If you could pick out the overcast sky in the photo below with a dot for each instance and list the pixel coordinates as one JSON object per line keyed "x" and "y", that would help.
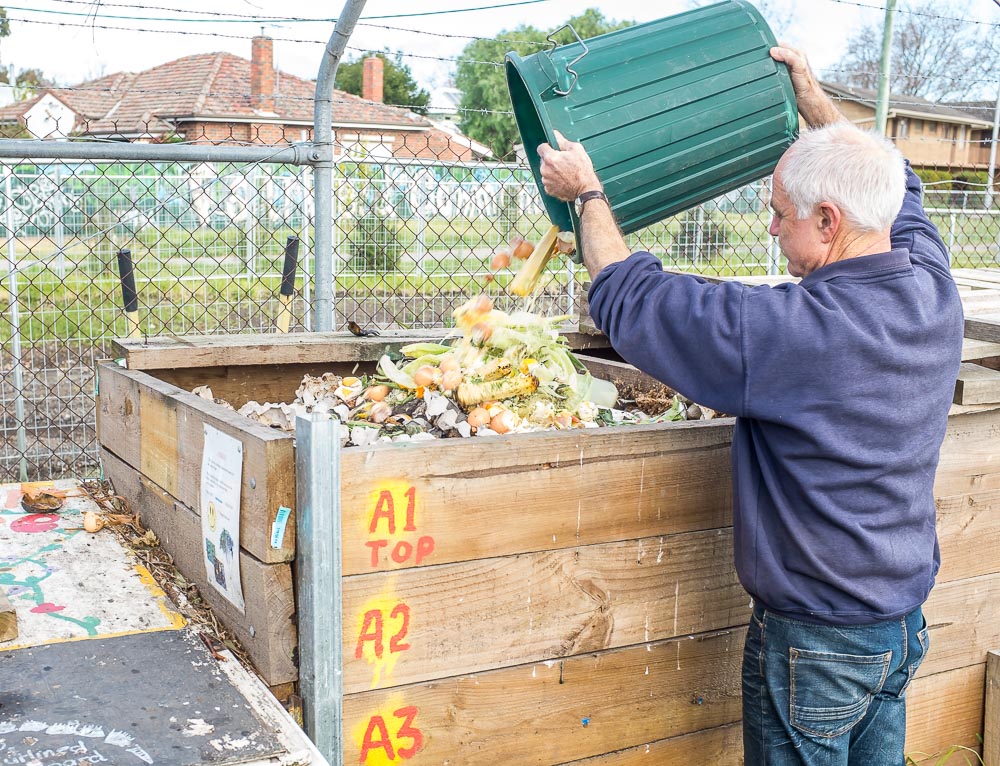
{"x": 69, "y": 40}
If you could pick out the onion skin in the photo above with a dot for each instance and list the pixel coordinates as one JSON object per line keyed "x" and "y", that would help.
{"x": 478, "y": 417}
{"x": 500, "y": 261}
{"x": 448, "y": 363}
{"x": 379, "y": 412}
{"x": 503, "y": 422}
{"x": 377, "y": 393}
{"x": 482, "y": 304}
{"x": 452, "y": 379}
{"x": 521, "y": 248}
{"x": 481, "y": 333}
{"x": 92, "y": 522}
{"x": 426, "y": 376}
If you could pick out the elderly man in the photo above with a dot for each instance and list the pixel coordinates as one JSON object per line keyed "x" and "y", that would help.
{"x": 841, "y": 386}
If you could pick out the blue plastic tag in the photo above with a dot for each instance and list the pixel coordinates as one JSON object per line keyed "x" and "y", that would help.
{"x": 278, "y": 526}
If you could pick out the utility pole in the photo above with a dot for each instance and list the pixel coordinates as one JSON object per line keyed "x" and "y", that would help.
{"x": 991, "y": 174}
{"x": 882, "y": 105}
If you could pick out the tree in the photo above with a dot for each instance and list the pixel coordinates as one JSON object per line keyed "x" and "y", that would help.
{"x": 398, "y": 86}
{"x": 938, "y": 53}
{"x": 487, "y": 118}
{"x": 27, "y": 83}
{"x": 4, "y": 25}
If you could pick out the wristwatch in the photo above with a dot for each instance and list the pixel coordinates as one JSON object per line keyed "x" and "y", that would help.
{"x": 586, "y": 197}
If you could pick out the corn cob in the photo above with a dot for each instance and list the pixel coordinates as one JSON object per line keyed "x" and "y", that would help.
{"x": 471, "y": 394}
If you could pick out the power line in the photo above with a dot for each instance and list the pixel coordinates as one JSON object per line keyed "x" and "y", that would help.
{"x": 239, "y": 18}
{"x": 259, "y": 19}
{"x": 919, "y": 13}
{"x": 243, "y": 37}
{"x": 948, "y": 77}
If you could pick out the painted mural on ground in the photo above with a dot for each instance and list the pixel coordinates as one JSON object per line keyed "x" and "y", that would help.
{"x": 67, "y": 584}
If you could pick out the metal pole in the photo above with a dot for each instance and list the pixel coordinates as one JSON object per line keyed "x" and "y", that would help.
{"x": 318, "y": 580}
{"x": 60, "y": 229}
{"x": 13, "y": 289}
{"x": 882, "y": 105}
{"x": 308, "y": 262}
{"x": 991, "y": 174}
{"x": 297, "y": 154}
{"x": 323, "y": 161}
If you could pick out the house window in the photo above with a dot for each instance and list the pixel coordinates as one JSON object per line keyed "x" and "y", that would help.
{"x": 903, "y": 128}
{"x": 918, "y": 126}
{"x": 932, "y": 128}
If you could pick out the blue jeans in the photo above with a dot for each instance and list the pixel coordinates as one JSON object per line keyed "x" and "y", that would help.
{"x": 818, "y": 695}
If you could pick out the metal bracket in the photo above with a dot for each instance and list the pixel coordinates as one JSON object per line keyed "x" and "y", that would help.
{"x": 571, "y": 64}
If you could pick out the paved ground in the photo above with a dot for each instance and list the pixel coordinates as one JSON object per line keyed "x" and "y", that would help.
{"x": 105, "y": 671}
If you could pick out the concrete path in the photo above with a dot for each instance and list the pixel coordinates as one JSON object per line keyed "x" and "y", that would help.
{"x": 105, "y": 671}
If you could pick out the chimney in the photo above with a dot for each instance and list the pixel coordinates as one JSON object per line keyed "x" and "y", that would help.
{"x": 371, "y": 79}
{"x": 262, "y": 74}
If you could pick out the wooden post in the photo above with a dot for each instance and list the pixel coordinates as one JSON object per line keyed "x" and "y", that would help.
{"x": 8, "y": 619}
{"x": 991, "y": 723}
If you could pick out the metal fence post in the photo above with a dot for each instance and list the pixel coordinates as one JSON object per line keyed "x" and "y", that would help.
{"x": 13, "y": 293}
{"x": 323, "y": 161}
{"x": 318, "y": 581}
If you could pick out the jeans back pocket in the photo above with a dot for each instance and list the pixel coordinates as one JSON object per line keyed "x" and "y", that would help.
{"x": 916, "y": 658}
{"x": 831, "y": 692}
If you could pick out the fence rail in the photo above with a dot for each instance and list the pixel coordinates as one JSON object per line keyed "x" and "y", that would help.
{"x": 410, "y": 239}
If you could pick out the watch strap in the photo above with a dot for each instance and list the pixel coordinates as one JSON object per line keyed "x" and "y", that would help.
{"x": 589, "y": 195}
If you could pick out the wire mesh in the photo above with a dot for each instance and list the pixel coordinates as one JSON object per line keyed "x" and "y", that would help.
{"x": 415, "y": 224}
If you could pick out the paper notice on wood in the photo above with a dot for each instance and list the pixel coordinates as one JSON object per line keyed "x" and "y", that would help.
{"x": 221, "y": 478}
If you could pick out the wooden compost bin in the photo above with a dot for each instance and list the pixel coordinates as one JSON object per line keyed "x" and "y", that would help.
{"x": 545, "y": 599}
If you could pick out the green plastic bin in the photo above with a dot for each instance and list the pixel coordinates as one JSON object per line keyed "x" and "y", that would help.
{"x": 673, "y": 112}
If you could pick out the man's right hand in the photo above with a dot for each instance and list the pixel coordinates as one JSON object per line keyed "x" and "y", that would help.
{"x": 814, "y": 105}
{"x": 567, "y": 172}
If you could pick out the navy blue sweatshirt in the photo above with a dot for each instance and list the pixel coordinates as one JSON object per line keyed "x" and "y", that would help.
{"x": 841, "y": 385}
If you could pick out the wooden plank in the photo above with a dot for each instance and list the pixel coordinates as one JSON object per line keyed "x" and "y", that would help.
{"x": 987, "y": 275}
{"x": 163, "y": 437}
{"x": 168, "y": 352}
{"x": 980, "y": 283}
{"x": 969, "y": 460}
{"x": 983, "y": 328}
{"x": 991, "y": 723}
{"x": 964, "y": 621}
{"x": 540, "y": 606}
{"x": 943, "y": 710}
{"x": 978, "y": 349}
{"x": 718, "y": 746}
{"x": 261, "y": 383}
{"x": 981, "y": 303}
{"x": 969, "y": 535}
{"x": 267, "y": 629}
{"x": 977, "y": 385}
{"x": 572, "y": 488}
{"x": 158, "y": 455}
{"x": 556, "y": 711}
{"x": 8, "y": 619}
{"x": 118, "y": 412}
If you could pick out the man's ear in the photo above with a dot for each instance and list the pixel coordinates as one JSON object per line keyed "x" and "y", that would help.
{"x": 830, "y": 219}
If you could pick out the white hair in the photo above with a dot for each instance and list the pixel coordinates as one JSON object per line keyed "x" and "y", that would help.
{"x": 859, "y": 171}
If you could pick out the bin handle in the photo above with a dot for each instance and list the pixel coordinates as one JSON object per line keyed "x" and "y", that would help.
{"x": 569, "y": 66}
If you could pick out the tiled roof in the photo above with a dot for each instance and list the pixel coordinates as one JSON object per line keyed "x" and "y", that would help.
{"x": 207, "y": 85}
{"x": 901, "y": 103}
{"x": 984, "y": 110}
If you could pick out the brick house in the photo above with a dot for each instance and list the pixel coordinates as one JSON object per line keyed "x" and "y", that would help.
{"x": 930, "y": 135}
{"x": 221, "y": 98}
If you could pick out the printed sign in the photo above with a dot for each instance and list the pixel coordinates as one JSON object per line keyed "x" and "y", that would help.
{"x": 221, "y": 477}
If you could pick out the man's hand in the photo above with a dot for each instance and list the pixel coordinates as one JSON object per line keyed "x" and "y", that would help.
{"x": 567, "y": 172}
{"x": 814, "y": 105}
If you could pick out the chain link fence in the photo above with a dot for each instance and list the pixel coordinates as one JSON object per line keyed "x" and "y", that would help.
{"x": 412, "y": 238}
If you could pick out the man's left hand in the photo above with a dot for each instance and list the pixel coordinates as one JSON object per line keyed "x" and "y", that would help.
{"x": 567, "y": 172}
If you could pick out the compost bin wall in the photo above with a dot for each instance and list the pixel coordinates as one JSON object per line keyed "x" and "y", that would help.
{"x": 544, "y": 599}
